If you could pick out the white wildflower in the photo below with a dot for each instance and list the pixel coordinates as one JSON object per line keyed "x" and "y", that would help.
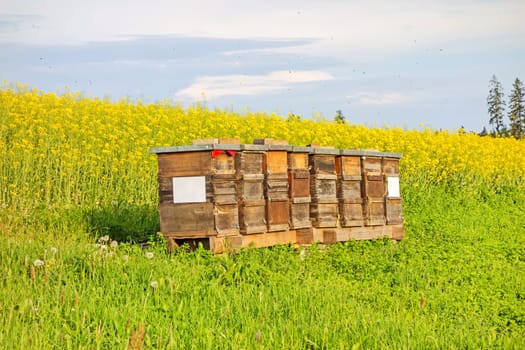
{"x": 103, "y": 239}
{"x": 303, "y": 254}
{"x": 38, "y": 263}
{"x": 114, "y": 244}
{"x": 154, "y": 284}
{"x": 149, "y": 255}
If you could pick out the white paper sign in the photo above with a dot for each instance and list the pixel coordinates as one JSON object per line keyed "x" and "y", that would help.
{"x": 189, "y": 189}
{"x": 393, "y": 187}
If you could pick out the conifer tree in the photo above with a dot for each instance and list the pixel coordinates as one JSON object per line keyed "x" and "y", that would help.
{"x": 517, "y": 110}
{"x": 339, "y": 117}
{"x": 496, "y": 105}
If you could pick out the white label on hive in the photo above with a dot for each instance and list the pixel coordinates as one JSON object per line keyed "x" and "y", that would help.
{"x": 189, "y": 189}
{"x": 393, "y": 187}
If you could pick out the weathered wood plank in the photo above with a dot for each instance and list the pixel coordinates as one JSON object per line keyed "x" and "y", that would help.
{"x": 375, "y": 212}
{"x": 252, "y": 216}
{"x": 298, "y": 161}
{"x": 322, "y": 163}
{"x": 352, "y": 214}
{"x": 372, "y": 165}
{"x": 259, "y": 240}
{"x": 323, "y": 186}
{"x": 249, "y": 162}
{"x": 304, "y": 236}
{"x": 276, "y": 186}
{"x": 185, "y": 218}
{"x": 184, "y": 164}
{"x": 277, "y": 215}
{"x": 375, "y": 187}
{"x": 300, "y": 215}
{"x": 249, "y": 190}
{"x": 299, "y": 183}
{"x": 348, "y": 166}
{"x": 226, "y": 219}
{"x": 394, "y": 211}
{"x": 332, "y": 235}
{"x": 276, "y": 162}
{"x": 391, "y": 166}
{"x": 347, "y": 189}
{"x": 270, "y": 141}
{"x": 324, "y": 214}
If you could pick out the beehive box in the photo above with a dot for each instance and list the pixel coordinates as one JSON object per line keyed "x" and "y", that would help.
{"x": 299, "y": 187}
{"x": 250, "y": 185}
{"x": 324, "y": 211}
{"x": 197, "y": 192}
{"x": 232, "y": 195}
{"x": 350, "y": 188}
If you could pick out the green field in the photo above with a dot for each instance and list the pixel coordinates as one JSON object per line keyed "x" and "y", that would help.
{"x": 456, "y": 281}
{"x": 75, "y": 170}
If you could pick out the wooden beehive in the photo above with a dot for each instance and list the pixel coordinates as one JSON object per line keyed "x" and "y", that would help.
{"x": 276, "y": 186}
{"x": 197, "y": 190}
{"x": 230, "y": 196}
{"x": 250, "y": 182}
{"x": 299, "y": 187}
{"x": 324, "y": 211}
{"x": 350, "y": 188}
{"x": 374, "y": 189}
{"x": 393, "y": 205}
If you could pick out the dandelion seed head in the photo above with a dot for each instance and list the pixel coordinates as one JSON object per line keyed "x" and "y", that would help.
{"x": 114, "y": 244}
{"x": 54, "y": 250}
{"x": 103, "y": 239}
{"x": 154, "y": 284}
{"x": 38, "y": 263}
{"x": 149, "y": 255}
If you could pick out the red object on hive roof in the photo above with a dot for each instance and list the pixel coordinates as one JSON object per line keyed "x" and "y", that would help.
{"x": 216, "y": 152}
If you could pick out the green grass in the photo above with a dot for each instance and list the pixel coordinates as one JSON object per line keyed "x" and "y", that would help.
{"x": 456, "y": 281}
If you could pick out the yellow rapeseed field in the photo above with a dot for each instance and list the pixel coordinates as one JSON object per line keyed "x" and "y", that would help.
{"x": 71, "y": 149}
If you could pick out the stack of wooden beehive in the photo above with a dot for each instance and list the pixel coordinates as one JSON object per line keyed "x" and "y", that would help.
{"x": 250, "y": 187}
{"x": 276, "y": 183}
{"x": 350, "y": 189}
{"x": 229, "y": 195}
{"x": 324, "y": 207}
{"x": 299, "y": 188}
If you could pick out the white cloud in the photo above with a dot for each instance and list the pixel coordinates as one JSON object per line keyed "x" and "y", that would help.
{"x": 227, "y": 85}
{"x": 342, "y": 27}
{"x": 379, "y": 98}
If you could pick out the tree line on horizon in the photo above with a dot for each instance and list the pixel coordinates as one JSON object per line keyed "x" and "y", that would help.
{"x": 496, "y": 110}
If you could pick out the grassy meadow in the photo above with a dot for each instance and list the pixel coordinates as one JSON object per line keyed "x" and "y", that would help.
{"x": 78, "y": 193}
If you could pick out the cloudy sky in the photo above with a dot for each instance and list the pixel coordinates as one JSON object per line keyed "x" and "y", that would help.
{"x": 400, "y": 63}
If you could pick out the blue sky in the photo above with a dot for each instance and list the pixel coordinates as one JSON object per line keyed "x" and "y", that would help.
{"x": 397, "y": 63}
